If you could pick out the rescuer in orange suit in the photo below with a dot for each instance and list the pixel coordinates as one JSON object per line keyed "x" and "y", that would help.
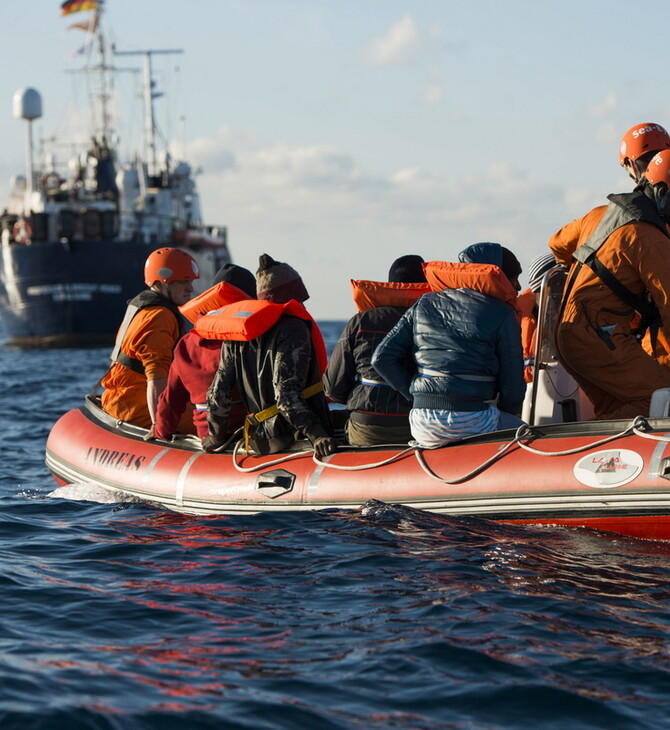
{"x": 637, "y": 147}
{"x": 623, "y": 267}
{"x": 146, "y": 339}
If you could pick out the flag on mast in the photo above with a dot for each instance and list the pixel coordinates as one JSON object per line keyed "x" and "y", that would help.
{"x": 75, "y": 6}
{"x": 90, "y": 26}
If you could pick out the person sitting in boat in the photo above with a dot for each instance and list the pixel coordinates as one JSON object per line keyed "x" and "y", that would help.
{"x": 273, "y": 350}
{"x": 378, "y": 414}
{"x": 621, "y": 269}
{"x": 464, "y": 344}
{"x": 196, "y": 358}
{"x": 146, "y": 339}
{"x": 528, "y": 302}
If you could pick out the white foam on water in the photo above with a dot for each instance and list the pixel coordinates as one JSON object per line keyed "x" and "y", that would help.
{"x": 83, "y": 492}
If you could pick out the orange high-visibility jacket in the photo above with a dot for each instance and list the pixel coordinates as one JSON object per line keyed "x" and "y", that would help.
{"x": 594, "y": 335}
{"x": 150, "y": 338}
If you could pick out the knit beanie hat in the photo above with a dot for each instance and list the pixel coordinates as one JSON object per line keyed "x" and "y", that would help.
{"x": 238, "y": 276}
{"x": 407, "y": 270}
{"x": 538, "y": 268}
{"x": 278, "y": 282}
{"x": 510, "y": 264}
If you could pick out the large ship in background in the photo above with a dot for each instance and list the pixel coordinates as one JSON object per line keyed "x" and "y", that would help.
{"x": 73, "y": 240}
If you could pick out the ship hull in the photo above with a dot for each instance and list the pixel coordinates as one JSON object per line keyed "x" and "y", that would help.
{"x": 74, "y": 294}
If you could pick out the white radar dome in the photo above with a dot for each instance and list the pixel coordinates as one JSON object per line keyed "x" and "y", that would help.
{"x": 27, "y": 104}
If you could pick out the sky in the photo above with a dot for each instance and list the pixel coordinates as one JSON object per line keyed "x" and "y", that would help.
{"x": 337, "y": 135}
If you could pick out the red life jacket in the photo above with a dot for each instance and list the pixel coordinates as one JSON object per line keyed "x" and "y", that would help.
{"x": 248, "y": 319}
{"x": 485, "y": 278}
{"x": 373, "y": 294}
{"x": 215, "y": 297}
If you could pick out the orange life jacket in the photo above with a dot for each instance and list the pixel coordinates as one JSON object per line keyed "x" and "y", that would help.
{"x": 373, "y": 294}
{"x": 215, "y": 297}
{"x": 526, "y": 302}
{"x": 485, "y": 278}
{"x": 248, "y": 319}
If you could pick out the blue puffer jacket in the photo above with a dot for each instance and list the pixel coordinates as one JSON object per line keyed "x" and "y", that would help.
{"x": 466, "y": 348}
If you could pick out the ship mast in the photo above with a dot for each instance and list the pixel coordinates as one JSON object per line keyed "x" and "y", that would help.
{"x": 100, "y": 96}
{"x": 149, "y": 95}
{"x": 103, "y": 92}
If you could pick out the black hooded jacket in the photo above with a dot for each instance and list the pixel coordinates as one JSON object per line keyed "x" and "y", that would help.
{"x": 351, "y": 379}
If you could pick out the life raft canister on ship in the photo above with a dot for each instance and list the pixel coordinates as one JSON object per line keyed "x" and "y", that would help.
{"x": 22, "y": 231}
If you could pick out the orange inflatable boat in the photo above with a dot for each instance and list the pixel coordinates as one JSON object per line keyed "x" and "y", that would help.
{"x": 562, "y": 470}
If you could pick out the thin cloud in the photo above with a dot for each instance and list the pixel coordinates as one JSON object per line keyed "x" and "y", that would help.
{"x": 405, "y": 44}
{"x": 604, "y": 107}
{"x": 398, "y": 46}
{"x": 324, "y": 183}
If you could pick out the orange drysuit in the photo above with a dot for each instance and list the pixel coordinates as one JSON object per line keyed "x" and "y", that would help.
{"x": 567, "y": 239}
{"x": 150, "y": 338}
{"x": 594, "y": 336}
{"x": 660, "y": 349}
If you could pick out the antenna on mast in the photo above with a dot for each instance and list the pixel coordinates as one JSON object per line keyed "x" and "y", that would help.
{"x": 149, "y": 117}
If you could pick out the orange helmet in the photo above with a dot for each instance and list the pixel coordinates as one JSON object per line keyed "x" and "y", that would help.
{"x": 170, "y": 264}
{"x": 658, "y": 170}
{"x": 642, "y": 138}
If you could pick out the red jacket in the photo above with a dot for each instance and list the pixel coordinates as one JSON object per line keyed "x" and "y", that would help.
{"x": 195, "y": 362}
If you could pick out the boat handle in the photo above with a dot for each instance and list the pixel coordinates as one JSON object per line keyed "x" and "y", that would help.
{"x": 275, "y": 483}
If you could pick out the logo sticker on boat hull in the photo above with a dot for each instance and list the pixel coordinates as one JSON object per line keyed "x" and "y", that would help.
{"x": 610, "y": 468}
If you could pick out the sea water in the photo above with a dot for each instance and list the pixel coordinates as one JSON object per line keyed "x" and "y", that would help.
{"x": 119, "y": 614}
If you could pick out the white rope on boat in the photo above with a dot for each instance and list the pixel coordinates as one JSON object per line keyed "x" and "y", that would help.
{"x": 265, "y": 464}
{"x": 474, "y": 472}
{"x": 630, "y": 429}
{"x": 363, "y": 467}
{"x": 651, "y": 436}
{"x": 521, "y": 432}
{"x": 310, "y": 452}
